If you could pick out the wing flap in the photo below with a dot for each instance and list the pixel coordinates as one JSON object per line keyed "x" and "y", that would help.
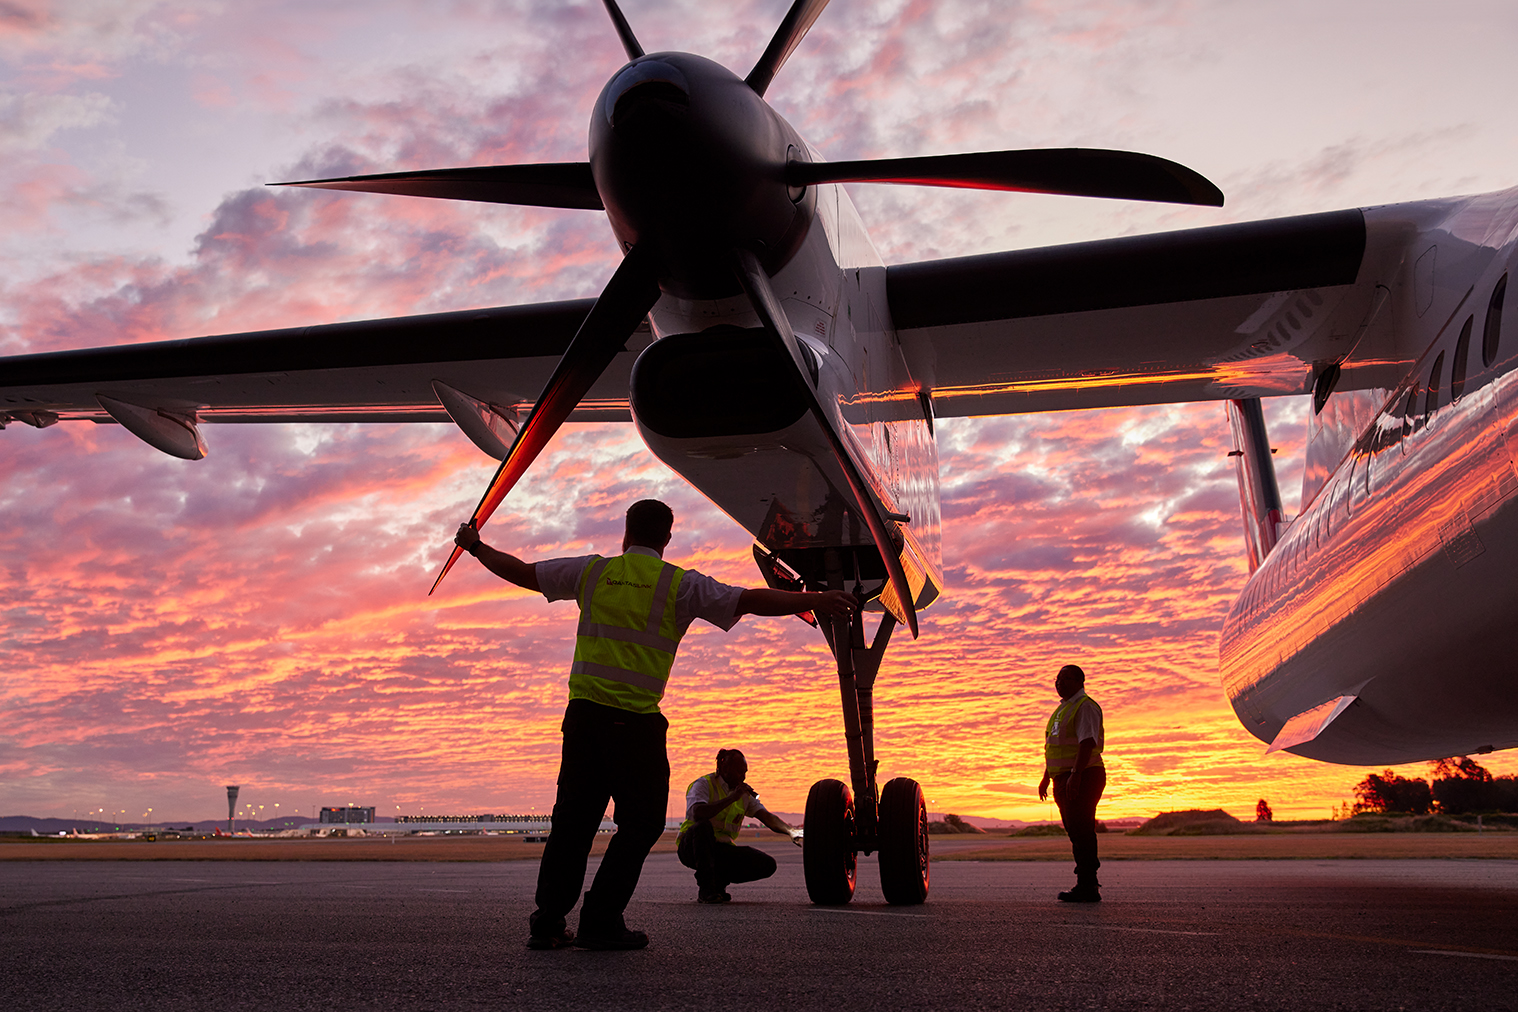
{"x": 1230, "y": 312}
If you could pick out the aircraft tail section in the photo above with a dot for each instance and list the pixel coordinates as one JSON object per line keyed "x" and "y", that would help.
{"x": 1259, "y": 495}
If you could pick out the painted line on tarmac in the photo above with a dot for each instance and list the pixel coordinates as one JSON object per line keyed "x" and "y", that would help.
{"x": 1147, "y": 931}
{"x": 1467, "y": 955}
{"x": 1121, "y": 927}
{"x": 75, "y": 900}
{"x": 867, "y": 913}
{"x": 1502, "y": 954}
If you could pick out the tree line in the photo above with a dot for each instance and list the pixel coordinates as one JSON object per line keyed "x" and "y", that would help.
{"x": 1459, "y": 786}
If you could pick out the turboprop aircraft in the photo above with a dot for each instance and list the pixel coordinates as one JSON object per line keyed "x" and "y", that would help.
{"x": 765, "y": 352}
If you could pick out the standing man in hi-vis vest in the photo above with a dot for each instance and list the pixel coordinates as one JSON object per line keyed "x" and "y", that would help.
{"x": 634, "y": 608}
{"x": 1073, "y": 761}
{"x": 715, "y": 807}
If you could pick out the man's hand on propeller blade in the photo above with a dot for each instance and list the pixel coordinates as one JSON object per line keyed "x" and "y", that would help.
{"x": 467, "y": 537}
{"x": 836, "y": 603}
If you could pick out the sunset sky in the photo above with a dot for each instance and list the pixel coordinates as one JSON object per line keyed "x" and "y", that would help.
{"x": 260, "y": 617}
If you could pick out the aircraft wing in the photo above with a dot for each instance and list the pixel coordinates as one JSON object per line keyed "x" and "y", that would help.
{"x": 1234, "y": 311}
{"x": 489, "y": 363}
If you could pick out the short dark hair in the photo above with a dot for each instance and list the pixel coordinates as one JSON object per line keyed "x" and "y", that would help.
{"x": 649, "y": 522}
{"x": 1074, "y": 671}
{"x": 724, "y": 753}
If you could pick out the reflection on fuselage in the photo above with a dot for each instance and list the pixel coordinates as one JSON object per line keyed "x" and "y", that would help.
{"x": 1395, "y": 584}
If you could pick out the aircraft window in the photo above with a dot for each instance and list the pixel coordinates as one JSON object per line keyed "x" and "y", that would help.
{"x": 1457, "y": 368}
{"x": 1493, "y": 331}
{"x": 1431, "y": 402}
{"x": 1407, "y": 411}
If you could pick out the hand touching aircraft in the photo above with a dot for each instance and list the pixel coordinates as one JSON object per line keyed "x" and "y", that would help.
{"x": 766, "y": 353}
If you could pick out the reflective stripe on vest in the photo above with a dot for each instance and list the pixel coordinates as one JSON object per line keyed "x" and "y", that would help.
{"x": 628, "y": 633}
{"x": 1061, "y": 746}
{"x": 726, "y": 824}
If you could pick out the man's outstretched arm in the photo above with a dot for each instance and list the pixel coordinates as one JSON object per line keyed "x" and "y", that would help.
{"x": 779, "y": 825}
{"x": 507, "y": 567}
{"x": 765, "y": 601}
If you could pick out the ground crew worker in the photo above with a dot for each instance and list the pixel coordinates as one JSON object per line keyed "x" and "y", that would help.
{"x": 1073, "y": 761}
{"x": 715, "y": 807}
{"x": 634, "y": 608}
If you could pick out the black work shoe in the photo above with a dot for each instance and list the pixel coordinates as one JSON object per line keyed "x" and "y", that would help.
{"x": 1081, "y": 895}
{"x": 562, "y": 939}
{"x": 616, "y": 938}
{"x": 713, "y": 896}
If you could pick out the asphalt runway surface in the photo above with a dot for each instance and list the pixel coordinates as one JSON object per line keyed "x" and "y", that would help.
{"x": 1306, "y": 934}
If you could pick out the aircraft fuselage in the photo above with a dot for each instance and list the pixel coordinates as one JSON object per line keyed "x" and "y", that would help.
{"x": 1395, "y": 583}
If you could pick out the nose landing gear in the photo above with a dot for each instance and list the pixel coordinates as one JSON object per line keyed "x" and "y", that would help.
{"x": 843, "y": 823}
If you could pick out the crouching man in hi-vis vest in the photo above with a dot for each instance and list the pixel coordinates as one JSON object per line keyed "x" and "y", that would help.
{"x": 634, "y": 608}
{"x": 715, "y": 807}
{"x": 1073, "y": 761}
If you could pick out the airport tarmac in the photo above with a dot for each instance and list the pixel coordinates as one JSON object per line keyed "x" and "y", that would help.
{"x": 1319, "y": 934}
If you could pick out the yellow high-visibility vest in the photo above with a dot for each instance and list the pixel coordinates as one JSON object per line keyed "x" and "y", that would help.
{"x": 725, "y": 824}
{"x": 1061, "y": 746}
{"x": 628, "y": 632}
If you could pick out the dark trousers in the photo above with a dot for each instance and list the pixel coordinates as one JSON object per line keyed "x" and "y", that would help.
{"x": 1079, "y": 816}
{"x": 609, "y": 755}
{"x": 718, "y": 865}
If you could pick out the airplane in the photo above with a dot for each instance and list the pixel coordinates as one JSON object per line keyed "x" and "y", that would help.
{"x": 765, "y": 352}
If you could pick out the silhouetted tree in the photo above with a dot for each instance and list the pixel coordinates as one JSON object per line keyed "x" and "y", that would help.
{"x": 1262, "y": 812}
{"x": 1388, "y": 792}
{"x": 1461, "y": 768}
{"x": 1463, "y": 785}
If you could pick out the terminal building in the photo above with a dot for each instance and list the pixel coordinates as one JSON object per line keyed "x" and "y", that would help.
{"x": 347, "y": 816}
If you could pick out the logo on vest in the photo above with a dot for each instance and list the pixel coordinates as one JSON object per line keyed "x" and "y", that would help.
{"x": 628, "y": 583}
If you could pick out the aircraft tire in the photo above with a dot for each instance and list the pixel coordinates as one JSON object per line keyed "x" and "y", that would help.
{"x": 903, "y": 843}
{"x": 827, "y": 848}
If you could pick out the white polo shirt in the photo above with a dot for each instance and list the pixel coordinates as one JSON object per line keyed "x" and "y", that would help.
{"x": 700, "y": 794}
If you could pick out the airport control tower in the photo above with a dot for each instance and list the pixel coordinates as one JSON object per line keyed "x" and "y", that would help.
{"x": 231, "y": 805}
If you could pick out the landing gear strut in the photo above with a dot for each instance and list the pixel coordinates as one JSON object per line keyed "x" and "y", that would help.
{"x": 843, "y": 823}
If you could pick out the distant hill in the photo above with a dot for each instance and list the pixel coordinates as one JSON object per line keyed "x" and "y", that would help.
{"x": 1193, "y": 822}
{"x": 26, "y": 824}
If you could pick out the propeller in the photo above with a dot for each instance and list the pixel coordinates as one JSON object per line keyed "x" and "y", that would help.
{"x": 787, "y": 37}
{"x": 1077, "y": 172}
{"x": 902, "y": 601}
{"x": 624, "y": 30}
{"x": 621, "y": 307}
{"x": 690, "y": 163}
{"x": 547, "y": 184}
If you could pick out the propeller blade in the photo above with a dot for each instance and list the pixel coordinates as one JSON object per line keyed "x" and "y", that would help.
{"x": 787, "y": 37}
{"x": 624, "y": 30}
{"x": 626, "y": 300}
{"x": 772, "y": 315}
{"x": 545, "y": 184}
{"x": 1076, "y": 172}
